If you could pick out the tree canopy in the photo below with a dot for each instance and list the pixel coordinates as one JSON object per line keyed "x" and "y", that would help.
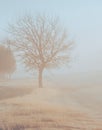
{"x": 7, "y": 61}
{"x": 41, "y": 42}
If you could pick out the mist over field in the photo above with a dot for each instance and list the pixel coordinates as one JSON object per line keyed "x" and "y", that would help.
{"x": 77, "y": 98}
{"x": 51, "y": 65}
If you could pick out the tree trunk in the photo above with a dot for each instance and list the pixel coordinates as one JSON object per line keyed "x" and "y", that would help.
{"x": 9, "y": 76}
{"x": 40, "y": 78}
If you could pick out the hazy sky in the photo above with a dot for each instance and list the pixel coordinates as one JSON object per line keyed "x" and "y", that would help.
{"x": 82, "y": 18}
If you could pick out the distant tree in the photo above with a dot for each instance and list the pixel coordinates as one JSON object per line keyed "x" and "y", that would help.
{"x": 41, "y": 42}
{"x": 7, "y": 61}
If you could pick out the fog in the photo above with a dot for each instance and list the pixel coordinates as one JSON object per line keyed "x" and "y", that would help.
{"x": 83, "y": 21}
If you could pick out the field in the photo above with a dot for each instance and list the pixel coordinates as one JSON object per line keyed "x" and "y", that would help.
{"x": 23, "y": 106}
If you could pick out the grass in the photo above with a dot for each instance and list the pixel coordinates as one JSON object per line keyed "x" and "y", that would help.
{"x": 15, "y": 116}
{"x": 28, "y": 113}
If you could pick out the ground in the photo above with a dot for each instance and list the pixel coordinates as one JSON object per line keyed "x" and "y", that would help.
{"x": 49, "y": 108}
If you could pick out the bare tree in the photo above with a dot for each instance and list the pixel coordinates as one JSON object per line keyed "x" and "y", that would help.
{"x": 7, "y": 61}
{"x": 41, "y": 43}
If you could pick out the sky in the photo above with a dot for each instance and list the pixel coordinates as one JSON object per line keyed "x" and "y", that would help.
{"x": 82, "y": 19}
